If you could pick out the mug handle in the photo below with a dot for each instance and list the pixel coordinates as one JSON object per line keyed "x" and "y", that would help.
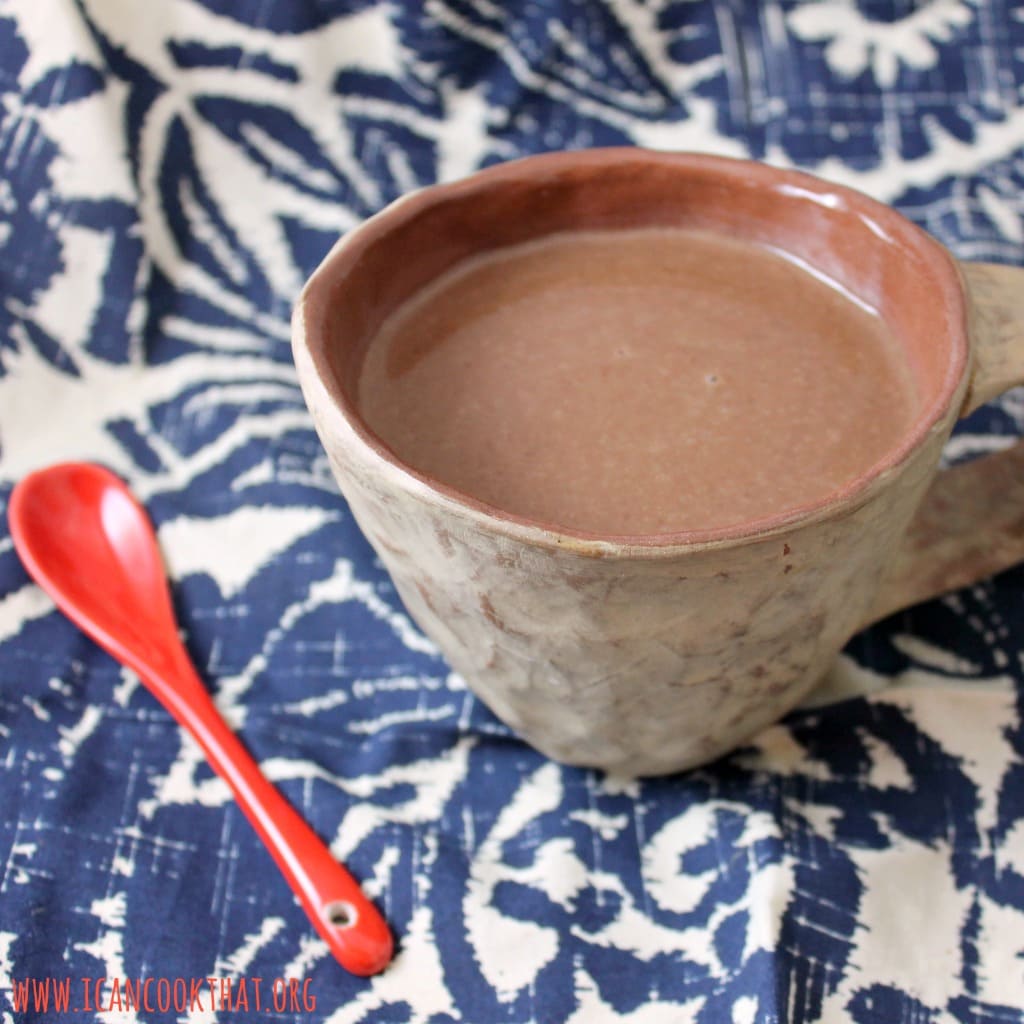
{"x": 971, "y": 522}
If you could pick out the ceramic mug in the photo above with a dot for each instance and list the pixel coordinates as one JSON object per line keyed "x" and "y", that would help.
{"x": 649, "y": 654}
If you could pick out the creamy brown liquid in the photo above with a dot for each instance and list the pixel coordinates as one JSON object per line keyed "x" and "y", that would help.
{"x": 641, "y": 381}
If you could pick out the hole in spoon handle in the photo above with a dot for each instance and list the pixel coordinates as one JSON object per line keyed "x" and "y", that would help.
{"x": 357, "y": 934}
{"x": 341, "y": 914}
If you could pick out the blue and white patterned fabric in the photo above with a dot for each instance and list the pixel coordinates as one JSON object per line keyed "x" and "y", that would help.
{"x": 170, "y": 172}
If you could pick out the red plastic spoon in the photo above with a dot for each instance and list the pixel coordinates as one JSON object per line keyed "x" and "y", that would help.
{"x": 89, "y": 545}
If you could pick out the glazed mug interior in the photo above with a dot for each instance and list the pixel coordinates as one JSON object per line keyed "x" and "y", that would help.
{"x": 858, "y": 245}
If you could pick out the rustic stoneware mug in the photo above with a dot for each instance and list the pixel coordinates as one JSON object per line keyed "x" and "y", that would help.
{"x": 649, "y": 654}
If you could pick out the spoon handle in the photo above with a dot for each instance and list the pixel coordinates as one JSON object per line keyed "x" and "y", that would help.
{"x": 347, "y": 921}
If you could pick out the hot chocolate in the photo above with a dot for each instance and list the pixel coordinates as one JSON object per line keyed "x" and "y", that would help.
{"x": 640, "y": 381}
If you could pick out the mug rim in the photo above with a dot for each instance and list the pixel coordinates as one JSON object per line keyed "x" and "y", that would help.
{"x": 319, "y": 382}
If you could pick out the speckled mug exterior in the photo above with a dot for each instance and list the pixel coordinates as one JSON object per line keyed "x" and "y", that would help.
{"x": 639, "y": 654}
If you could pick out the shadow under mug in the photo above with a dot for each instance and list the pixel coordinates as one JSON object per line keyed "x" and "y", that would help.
{"x": 649, "y": 654}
